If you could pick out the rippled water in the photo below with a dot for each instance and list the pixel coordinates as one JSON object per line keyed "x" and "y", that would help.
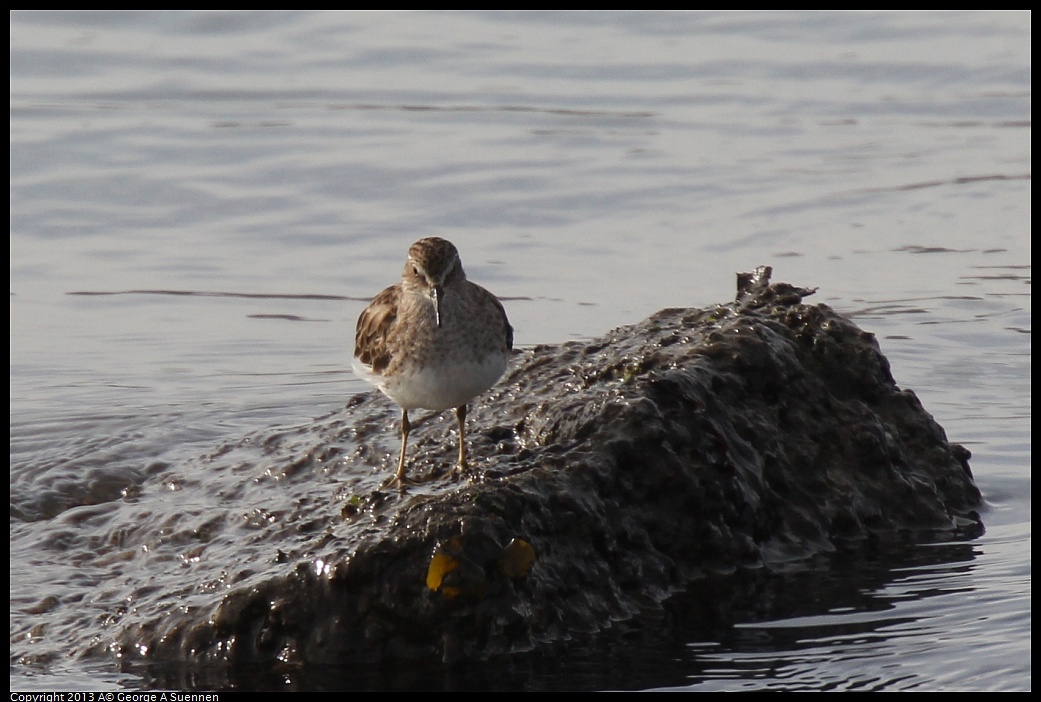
{"x": 201, "y": 204}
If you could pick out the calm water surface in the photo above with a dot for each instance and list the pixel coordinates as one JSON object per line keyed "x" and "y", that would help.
{"x": 202, "y": 203}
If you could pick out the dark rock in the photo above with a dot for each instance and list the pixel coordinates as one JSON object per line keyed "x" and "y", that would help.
{"x": 693, "y": 444}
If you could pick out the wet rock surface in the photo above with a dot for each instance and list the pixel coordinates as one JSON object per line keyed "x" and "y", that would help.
{"x": 608, "y": 475}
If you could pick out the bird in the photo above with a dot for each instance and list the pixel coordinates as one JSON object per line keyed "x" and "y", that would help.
{"x": 433, "y": 341}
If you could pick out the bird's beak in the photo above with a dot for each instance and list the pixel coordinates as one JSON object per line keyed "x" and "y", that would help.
{"x": 437, "y": 293}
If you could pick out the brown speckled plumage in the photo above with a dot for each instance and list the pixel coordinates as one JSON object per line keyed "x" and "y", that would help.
{"x": 435, "y": 340}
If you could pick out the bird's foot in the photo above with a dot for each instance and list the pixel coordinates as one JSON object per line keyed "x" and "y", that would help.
{"x": 400, "y": 482}
{"x": 462, "y": 471}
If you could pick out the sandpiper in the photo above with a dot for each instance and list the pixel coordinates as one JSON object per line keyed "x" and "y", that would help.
{"x": 433, "y": 341}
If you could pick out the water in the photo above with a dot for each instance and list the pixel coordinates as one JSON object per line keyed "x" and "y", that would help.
{"x": 203, "y": 202}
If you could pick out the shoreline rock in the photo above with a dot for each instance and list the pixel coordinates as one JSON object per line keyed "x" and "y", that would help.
{"x": 611, "y": 474}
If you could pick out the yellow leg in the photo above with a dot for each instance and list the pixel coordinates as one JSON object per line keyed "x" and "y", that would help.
{"x": 405, "y": 428}
{"x": 460, "y": 414}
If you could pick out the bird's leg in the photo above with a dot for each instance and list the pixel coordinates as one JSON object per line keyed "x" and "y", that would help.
{"x": 460, "y": 414}
{"x": 405, "y": 428}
